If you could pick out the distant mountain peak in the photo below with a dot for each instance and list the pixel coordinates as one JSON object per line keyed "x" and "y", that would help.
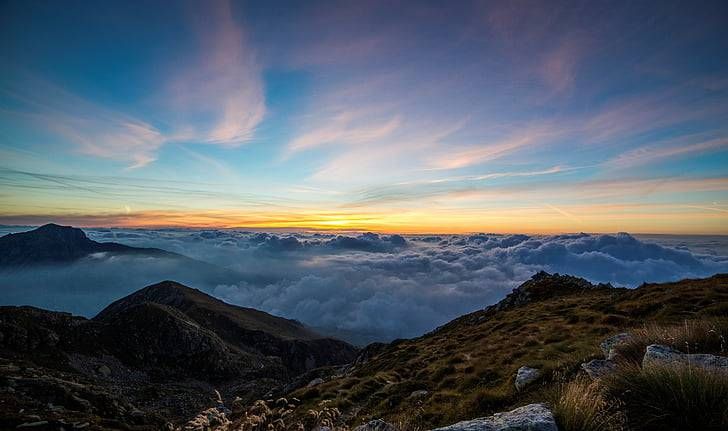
{"x": 57, "y": 244}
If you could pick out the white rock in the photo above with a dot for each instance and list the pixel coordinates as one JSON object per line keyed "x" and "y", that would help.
{"x": 375, "y": 425}
{"x": 657, "y": 354}
{"x": 598, "y": 368}
{"x": 314, "y": 382}
{"x": 608, "y": 345}
{"x": 526, "y": 375}
{"x": 533, "y": 417}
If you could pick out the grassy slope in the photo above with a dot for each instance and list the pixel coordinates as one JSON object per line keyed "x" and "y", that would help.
{"x": 468, "y": 365}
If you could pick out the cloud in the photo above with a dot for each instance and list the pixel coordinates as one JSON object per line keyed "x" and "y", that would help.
{"x": 216, "y": 98}
{"x": 223, "y": 82}
{"x": 676, "y": 148}
{"x": 94, "y": 129}
{"x": 381, "y": 286}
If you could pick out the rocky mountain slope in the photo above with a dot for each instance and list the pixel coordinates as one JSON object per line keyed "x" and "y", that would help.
{"x": 153, "y": 356}
{"x": 467, "y": 368}
{"x": 159, "y": 354}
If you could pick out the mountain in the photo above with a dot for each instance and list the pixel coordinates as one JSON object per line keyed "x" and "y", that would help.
{"x": 54, "y": 244}
{"x": 160, "y": 353}
{"x": 465, "y": 369}
{"x": 60, "y": 268}
{"x": 249, "y": 330}
{"x": 157, "y": 353}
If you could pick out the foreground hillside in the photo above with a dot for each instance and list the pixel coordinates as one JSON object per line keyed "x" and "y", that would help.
{"x": 167, "y": 352}
{"x": 155, "y": 356}
{"x": 466, "y": 368}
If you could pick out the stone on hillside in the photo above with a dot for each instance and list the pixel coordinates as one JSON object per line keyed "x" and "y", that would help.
{"x": 375, "y": 425}
{"x": 525, "y": 376}
{"x": 418, "y": 394}
{"x": 315, "y": 382}
{"x": 608, "y": 345}
{"x": 104, "y": 371}
{"x": 533, "y": 417}
{"x": 598, "y": 368}
{"x": 657, "y": 354}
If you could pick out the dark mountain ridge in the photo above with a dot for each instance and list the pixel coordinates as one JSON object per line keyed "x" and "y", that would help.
{"x": 55, "y": 244}
{"x": 165, "y": 346}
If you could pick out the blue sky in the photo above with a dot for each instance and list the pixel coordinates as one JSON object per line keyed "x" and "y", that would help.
{"x": 392, "y": 116}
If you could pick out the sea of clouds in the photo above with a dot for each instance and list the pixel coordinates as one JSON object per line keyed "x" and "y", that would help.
{"x": 369, "y": 287}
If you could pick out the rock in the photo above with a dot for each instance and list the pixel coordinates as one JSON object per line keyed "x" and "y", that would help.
{"x": 32, "y": 424}
{"x": 418, "y": 394}
{"x": 376, "y": 425}
{"x": 598, "y": 368}
{"x": 526, "y": 375}
{"x": 533, "y": 417}
{"x": 104, "y": 371}
{"x": 657, "y": 354}
{"x": 314, "y": 382}
{"x": 610, "y": 343}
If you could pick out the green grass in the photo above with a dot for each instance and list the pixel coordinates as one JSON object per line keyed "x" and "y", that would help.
{"x": 671, "y": 397}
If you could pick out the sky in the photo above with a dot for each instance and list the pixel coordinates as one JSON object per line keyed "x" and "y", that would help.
{"x": 409, "y": 117}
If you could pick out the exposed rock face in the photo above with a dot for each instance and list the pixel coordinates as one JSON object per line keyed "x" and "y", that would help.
{"x": 598, "y": 368}
{"x": 419, "y": 394}
{"x": 544, "y": 285}
{"x": 533, "y": 417}
{"x": 375, "y": 425}
{"x": 525, "y": 376}
{"x": 608, "y": 345}
{"x": 657, "y": 354}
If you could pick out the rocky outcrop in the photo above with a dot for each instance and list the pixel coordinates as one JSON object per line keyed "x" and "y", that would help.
{"x": 598, "y": 368}
{"x": 544, "y": 285}
{"x": 657, "y": 354}
{"x": 525, "y": 376}
{"x": 533, "y": 417}
{"x": 610, "y": 344}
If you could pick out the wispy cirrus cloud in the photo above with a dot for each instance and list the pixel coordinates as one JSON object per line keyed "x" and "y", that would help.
{"x": 672, "y": 149}
{"x": 223, "y": 82}
{"x": 96, "y": 130}
{"x": 217, "y": 98}
{"x": 346, "y": 128}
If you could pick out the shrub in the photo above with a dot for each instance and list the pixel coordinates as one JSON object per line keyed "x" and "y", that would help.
{"x": 671, "y": 397}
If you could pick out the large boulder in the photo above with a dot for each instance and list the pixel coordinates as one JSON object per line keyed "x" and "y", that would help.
{"x": 608, "y": 346}
{"x": 657, "y": 354}
{"x": 597, "y": 368}
{"x": 525, "y": 376}
{"x": 533, "y": 417}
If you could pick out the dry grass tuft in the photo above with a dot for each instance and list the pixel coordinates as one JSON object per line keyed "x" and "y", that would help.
{"x": 582, "y": 405}
{"x": 703, "y": 336}
{"x": 671, "y": 397}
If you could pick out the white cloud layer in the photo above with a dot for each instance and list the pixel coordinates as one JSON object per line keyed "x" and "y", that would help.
{"x": 370, "y": 287}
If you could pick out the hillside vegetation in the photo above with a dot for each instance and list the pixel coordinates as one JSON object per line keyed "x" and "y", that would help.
{"x": 466, "y": 368}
